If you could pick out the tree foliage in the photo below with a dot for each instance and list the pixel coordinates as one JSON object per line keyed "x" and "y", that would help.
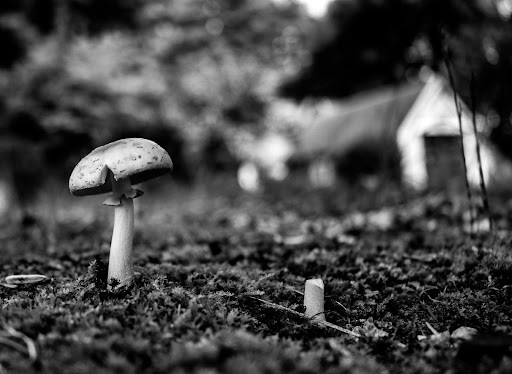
{"x": 371, "y": 42}
{"x": 111, "y": 68}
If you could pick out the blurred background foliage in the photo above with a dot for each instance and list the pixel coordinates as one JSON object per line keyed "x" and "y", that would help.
{"x": 199, "y": 76}
{"x": 191, "y": 75}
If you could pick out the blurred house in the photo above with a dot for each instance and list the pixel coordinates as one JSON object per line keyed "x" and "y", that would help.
{"x": 413, "y": 127}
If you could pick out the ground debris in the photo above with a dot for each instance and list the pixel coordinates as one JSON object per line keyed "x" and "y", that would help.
{"x": 219, "y": 280}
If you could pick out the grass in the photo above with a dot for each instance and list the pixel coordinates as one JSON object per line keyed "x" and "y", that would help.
{"x": 213, "y": 264}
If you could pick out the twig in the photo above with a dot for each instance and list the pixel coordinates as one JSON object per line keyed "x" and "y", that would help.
{"x": 340, "y": 304}
{"x": 277, "y": 306}
{"x": 323, "y": 323}
{"x": 339, "y": 328}
{"x": 266, "y": 277}
{"x": 483, "y": 188}
{"x": 294, "y": 290}
{"x": 31, "y": 346}
{"x": 431, "y": 328}
{"x": 12, "y": 344}
{"x": 459, "y": 117}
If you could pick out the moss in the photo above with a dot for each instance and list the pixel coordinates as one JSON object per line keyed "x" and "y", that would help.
{"x": 202, "y": 271}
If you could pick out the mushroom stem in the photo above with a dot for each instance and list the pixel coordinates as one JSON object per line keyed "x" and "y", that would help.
{"x": 120, "y": 264}
{"x": 314, "y": 299}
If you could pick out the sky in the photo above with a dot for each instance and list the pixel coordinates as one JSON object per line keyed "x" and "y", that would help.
{"x": 316, "y": 8}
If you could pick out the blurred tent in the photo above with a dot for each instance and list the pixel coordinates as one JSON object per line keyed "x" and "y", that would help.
{"x": 406, "y": 115}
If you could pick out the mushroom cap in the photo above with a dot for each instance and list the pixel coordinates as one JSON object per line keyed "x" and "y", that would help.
{"x": 135, "y": 158}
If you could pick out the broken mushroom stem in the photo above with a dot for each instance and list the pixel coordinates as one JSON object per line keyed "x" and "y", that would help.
{"x": 314, "y": 299}
{"x": 120, "y": 266}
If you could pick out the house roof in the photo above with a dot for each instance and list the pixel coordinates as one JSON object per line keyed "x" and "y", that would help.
{"x": 366, "y": 115}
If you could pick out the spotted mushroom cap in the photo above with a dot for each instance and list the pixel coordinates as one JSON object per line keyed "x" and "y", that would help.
{"x": 135, "y": 158}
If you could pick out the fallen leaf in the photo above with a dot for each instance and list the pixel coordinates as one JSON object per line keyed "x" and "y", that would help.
{"x": 464, "y": 333}
{"x": 26, "y": 279}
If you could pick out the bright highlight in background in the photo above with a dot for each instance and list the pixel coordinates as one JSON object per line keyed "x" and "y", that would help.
{"x": 316, "y": 8}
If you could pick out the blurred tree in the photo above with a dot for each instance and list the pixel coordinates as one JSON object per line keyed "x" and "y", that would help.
{"x": 368, "y": 43}
{"x": 190, "y": 75}
{"x": 20, "y": 21}
{"x": 14, "y": 38}
{"x": 488, "y": 55}
{"x": 91, "y": 16}
{"x": 222, "y": 59}
{"x": 99, "y": 15}
{"x": 190, "y": 68}
{"x": 23, "y": 125}
{"x": 217, "y": 155}
{"x": 223, "y": 54}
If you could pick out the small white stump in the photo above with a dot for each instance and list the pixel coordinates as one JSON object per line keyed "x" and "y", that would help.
{"x": 314, "y": 299}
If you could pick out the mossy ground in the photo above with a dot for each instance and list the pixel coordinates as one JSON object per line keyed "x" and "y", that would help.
{"x": 206, "y": 256}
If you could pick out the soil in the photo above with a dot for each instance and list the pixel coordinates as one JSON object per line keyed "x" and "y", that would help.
{"x": 220, "y": 276}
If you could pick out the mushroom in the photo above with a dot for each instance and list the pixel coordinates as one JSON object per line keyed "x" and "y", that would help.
{"x": 115, "y": 167}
